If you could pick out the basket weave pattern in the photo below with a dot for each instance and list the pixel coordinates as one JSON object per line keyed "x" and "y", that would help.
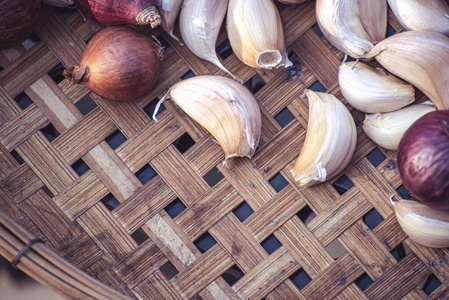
{"x": 45, "y": 194}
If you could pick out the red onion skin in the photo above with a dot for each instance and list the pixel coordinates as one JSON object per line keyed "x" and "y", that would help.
{"x": 423, "y": 159}
{"x": 119, "y": 63}
{"x": 292, "y": 1}
{"x": 114, "y": 12}
{"x": 17, "y": 21}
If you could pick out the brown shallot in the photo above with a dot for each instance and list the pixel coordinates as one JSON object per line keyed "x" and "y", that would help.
{"x": 119, "y": 63}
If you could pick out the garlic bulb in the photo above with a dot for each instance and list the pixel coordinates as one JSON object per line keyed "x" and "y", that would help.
{"x": 169, "y": 12}
{"x": 432, "y": 15}
{"x": 371, "y": 90}
{"x": 200, "y": 22}
{"x": 352, "y": 26}
{"x": 256, "y": 34}
{"x": 424, "y": 225}
{"x": 420, "y": 58}
{"x": 330, "y": 140}
{"x": 227, "y": 109}
{"x": 387, "y": 129}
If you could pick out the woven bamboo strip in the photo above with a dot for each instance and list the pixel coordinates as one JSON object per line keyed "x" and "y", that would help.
{"x": 84, "y": 135}
{"x": 246, "y": 251}
{"x": 21, "y": 183}
{"x": 39, "y": 207}
{"x": 22, "y": 127}
{"x": 412, "y": 272}
{"x": 82, "y": 194}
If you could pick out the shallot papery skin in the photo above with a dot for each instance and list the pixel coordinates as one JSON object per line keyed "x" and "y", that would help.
{"x": 423, "y": 159}
{"x": 119, "y": 63}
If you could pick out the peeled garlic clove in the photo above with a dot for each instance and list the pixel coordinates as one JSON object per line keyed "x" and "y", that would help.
{"x": 420, "y": 58}
{"x": 256, "y": 34}
{"x": 200, "y": 22}
{"x": 387, "y": 129}
{"x": 432, "y": 15}
{"x": 424, "y": 225}
{"x": 169, "y": 11}
{"x": 371, "y": 90}
{"x": 227, "y": 109}
{"x": 352, "y": 26}
{"x": 330, "y": 140}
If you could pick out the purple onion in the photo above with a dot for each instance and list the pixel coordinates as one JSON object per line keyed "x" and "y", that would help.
{"x": 423, "y": 159}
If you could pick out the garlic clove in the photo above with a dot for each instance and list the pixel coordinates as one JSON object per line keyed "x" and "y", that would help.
{"x": 352, "y": 26}
{"x": 256, "y": 34}
{"x": 330, "y": 140}
{"x": 169, "y": 11}
{"x": 371, "y": 90}
{"x": 431, "y": 15}
{"x": 200, "y": 22}
{"x": 387, "y": 129}
{"x": 227, "y": 109}
{"x": 424, "y": 225}
{"x": 420, "y": 58}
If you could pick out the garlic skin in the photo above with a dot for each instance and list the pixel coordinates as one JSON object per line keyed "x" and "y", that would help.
{"x": 352, "y": 26}
{"x": 431, "y": 15}
{"x": 169, "y": 11}
{"x": 371, "y": 90}
{"x": 419, "y": 57}
{"x": 200, "y": 22}
{"x": 387, "y": 129}
{"x": 330, "y": 140}
{"x": 424, "y": 225}
{"x": 256, "y": 34}
{"x": 227, "y": 109}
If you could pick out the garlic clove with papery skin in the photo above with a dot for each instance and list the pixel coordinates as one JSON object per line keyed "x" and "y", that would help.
{"x": 200, "y": 22}
{"x": 430, "y": 15}
{"x": 371, "y": 89}
{"x": 169, "y": 11}
{"x": 330, "y": 140}
{"x": 424, "y": 225}
{"x": 419, "y": 57}
{"x": 256, "y": 34}
{"x": 352, "y": 26}
{"x": 387, "y": 129}
{"x": 227, "y": 109}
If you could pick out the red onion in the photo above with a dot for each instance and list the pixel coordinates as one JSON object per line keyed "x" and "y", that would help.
{"x": 118, "y": 12}
{"x": 119, "y": 63}
{"x": 292, "y": 1}
{"x": 17, "y": 21}
{"x": 423, "y": 159}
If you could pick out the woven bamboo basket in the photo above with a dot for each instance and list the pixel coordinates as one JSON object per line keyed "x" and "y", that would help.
{"x": 120, "y": 206}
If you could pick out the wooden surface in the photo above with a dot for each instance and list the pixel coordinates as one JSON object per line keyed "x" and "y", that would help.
{"x": 41, "y": 189}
